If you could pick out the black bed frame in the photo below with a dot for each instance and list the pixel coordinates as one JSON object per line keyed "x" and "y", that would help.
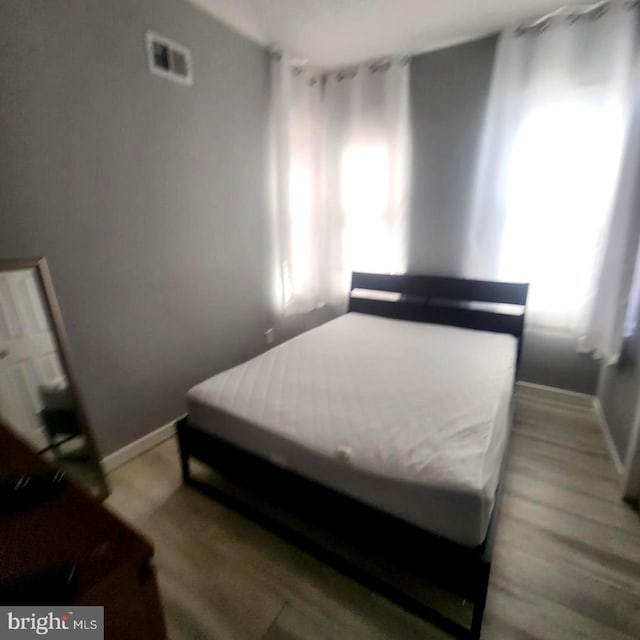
{"x": 355, "y": 538}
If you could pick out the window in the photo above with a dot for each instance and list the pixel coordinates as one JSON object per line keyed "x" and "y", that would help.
{"x": 560, "y": 183}
{"x": 298, "y": 280}
{"x": 365, "y": 200}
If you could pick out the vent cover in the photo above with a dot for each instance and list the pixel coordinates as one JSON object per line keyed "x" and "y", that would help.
{"x": 168, "y": 59}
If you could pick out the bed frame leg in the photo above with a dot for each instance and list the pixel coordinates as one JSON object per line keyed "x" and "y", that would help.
{"x": 481, "y": 600}
{"x": 184, "y": 451}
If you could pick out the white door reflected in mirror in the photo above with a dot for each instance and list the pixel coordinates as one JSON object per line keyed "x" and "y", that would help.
{"x": 37, "y": 398}
{"x": 29, "y": 353}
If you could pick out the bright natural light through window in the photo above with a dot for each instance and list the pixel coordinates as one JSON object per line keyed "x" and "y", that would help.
{"x": 300, "y": 199}
{"x": 365, "y": 201}
{"x": 560, "y": 182}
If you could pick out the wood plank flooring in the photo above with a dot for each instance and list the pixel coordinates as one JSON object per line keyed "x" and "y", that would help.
{"x": 566, "y": 565}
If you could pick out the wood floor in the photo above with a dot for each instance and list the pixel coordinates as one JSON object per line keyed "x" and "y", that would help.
{"x": 566, "y": 564}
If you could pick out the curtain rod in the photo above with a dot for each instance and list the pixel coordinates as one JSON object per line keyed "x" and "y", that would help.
{"x": 301, "y": 65}
{"x": 572, "y": 12}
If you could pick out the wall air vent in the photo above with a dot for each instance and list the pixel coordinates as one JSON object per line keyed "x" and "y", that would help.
{"x": 168, "y": 59}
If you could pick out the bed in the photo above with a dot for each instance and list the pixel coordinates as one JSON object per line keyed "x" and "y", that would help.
{"x": 393, "y": 418}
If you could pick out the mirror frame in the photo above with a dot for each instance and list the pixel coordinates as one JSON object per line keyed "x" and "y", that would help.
{"x": 54, "y": 314}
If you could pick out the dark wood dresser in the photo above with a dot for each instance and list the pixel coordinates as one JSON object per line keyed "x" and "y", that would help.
{"x": 113, "y": 562}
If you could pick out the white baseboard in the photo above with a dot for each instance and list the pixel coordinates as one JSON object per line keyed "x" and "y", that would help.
{"x": 543, "y": 392}
{"x": 606, "y": 432}
{"x": 138, "y": 447}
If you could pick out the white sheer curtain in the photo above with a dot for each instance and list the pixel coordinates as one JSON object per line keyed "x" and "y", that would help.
{"x": 549, "y": 171}
{"x": 339, "y": 166}
{"x": 295, "y": 121}
{"x": 367, "y": 168}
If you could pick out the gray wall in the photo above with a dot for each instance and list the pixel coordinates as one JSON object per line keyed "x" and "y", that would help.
{"x": 147, "y": 198}
{"x": 551, "y": 359}
{"x": 449, "y": 91}
{"x": 619, "y": 395}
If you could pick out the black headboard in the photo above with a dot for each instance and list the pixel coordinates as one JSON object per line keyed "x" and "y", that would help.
{"x": 472, "y": 304}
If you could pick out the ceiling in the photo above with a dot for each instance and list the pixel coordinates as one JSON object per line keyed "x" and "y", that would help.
{"x": 332, "y": 33}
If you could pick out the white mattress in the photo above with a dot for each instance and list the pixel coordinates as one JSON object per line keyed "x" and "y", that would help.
{"x": 409, "y": 417}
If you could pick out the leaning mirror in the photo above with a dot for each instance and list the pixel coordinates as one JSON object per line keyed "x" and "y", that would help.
{"x": 39, "y": 396}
